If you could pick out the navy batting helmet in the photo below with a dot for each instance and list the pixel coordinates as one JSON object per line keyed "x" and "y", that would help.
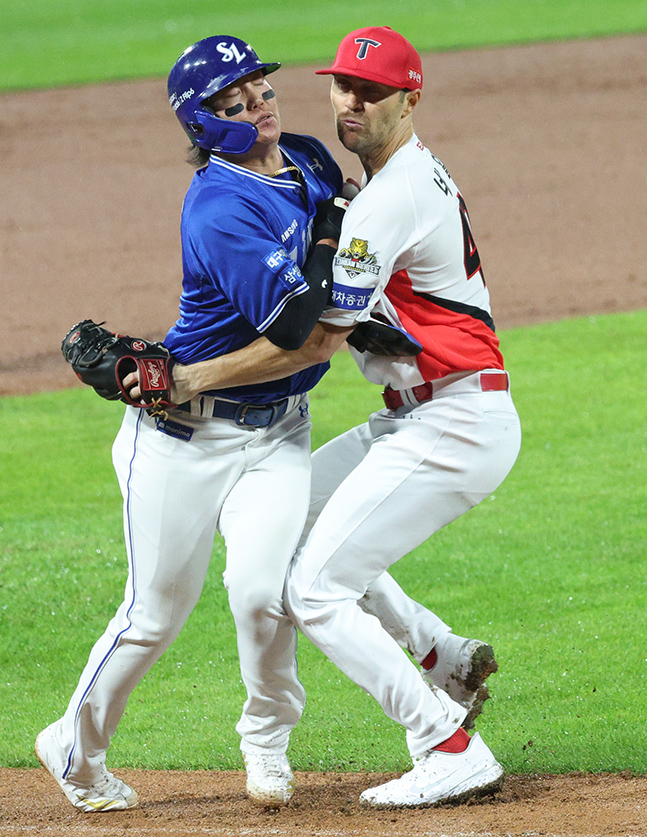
{"x": 202, "y": 70}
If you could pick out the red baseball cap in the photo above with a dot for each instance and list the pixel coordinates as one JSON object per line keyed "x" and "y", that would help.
{"x": 377, "y": 53}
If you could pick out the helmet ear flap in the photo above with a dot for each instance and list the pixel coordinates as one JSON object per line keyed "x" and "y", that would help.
{"x": 221, "y": 135}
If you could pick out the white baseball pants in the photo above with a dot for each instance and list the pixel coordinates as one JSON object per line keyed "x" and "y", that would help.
{"x": 253, "y": 485}
{"x": 378, "y": 492}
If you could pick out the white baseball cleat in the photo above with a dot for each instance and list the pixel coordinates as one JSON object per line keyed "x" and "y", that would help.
{"x": 269, "y": 779}
{"x": 461, "y": 669}
{"x": 439, "y": 777}
{"x": 107, "y": 793}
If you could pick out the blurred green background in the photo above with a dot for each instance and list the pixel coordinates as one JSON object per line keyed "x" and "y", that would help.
{"x": 44, "y": 43}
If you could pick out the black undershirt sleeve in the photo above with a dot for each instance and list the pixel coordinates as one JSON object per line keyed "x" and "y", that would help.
{"x": 292, "y": 327}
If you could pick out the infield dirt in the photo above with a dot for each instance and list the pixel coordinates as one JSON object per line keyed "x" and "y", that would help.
{"x": 548, "y": 145}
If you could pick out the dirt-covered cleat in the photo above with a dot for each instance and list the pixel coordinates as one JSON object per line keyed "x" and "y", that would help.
{"x": 461, "y": 668}
{"x": 269, "y": 779}
{"x": 106, "y": 793}
{"x": 439, "y": 777}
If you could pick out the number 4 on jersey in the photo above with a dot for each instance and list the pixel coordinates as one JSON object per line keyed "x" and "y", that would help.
{"x": 471, "y": 256}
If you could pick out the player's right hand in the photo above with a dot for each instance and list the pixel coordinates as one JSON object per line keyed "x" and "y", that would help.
{"x": 329, "y": 217}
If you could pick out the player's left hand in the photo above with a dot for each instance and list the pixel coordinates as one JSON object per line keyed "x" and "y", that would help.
{"x": 103, "y": 360}
{"x": 383, "y": 339}
{"x": 182, "y": 388}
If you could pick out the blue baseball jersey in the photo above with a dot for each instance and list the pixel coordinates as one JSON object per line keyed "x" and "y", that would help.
{"x": 245, "y": 238}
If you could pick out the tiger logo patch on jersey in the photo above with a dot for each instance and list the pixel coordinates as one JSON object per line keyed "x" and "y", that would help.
{"x": 356, "y": 258}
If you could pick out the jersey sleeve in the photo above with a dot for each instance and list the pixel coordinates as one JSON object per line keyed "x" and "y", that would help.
{"x": 235, "y": 250}
{"x": 379, "y": 228}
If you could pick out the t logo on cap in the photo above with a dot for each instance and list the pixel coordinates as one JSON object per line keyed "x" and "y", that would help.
{"x": 364, "y": 44}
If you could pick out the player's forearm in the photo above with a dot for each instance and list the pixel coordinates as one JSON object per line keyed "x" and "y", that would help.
{"x": 257, "y": 363}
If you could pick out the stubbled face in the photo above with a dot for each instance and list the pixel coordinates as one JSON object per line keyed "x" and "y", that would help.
{"x": 250, "y": 99}
{"x": 367, "y": 113}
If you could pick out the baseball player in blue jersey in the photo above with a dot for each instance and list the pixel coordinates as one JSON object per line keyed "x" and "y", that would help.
{"x": 238, "y": 463}
{"x": 257, "y": 257}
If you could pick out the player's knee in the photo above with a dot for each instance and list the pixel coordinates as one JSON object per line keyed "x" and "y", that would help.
{"x": 255, "y": 603}
{"x": 158, "y": 616}
{"x": 153, "y": 631}
{"x": 302, "y": 605}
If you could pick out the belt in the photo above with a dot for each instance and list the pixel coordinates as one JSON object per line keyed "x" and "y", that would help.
{"x": 493, "y": 381}
{"x": 245, "y": 415}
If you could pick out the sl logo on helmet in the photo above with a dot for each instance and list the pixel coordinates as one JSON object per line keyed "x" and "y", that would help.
{"x": 230, "y": 52}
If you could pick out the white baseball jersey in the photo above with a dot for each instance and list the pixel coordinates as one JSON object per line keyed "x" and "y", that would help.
{"x": 379, "y": 490}
{"x": 406, "y": 253}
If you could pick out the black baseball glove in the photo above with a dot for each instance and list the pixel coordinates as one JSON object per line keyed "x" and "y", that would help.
{"x": 102, "y": 359}
{"x": 383, "y": 339}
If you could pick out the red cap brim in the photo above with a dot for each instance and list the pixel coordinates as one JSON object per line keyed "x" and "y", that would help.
{"x": 365, "y": 74}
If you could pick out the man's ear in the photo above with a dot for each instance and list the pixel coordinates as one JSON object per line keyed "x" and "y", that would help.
{"x": 411, "y": 100}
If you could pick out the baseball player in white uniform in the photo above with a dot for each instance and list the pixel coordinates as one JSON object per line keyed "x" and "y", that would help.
{"x": 448, "y": 435}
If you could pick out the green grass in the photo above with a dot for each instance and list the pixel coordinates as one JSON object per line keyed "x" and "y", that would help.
{"x": 45, "y": 43}
{"x": 550, "y": 569}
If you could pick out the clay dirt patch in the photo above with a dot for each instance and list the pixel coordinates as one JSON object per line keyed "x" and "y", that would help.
{"x": 547, "y": 143}
{"x": 326, "y": 805}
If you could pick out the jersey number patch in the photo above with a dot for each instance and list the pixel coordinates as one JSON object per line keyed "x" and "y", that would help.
{"x": 471, "y": 257}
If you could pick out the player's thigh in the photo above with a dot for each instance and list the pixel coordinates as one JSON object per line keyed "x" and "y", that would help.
{"x": 263, "y": 516}
{"x": 418, "y": 476}
{"x": 333, "y": 462}
{"x": 173, "y": 491}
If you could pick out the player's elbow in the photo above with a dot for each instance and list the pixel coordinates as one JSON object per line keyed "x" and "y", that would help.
{"x": 318, "y": 351}
{"x": 289, "y": 339}
{"x": 323, "y": 342}
{"x": 293, "y": 326}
